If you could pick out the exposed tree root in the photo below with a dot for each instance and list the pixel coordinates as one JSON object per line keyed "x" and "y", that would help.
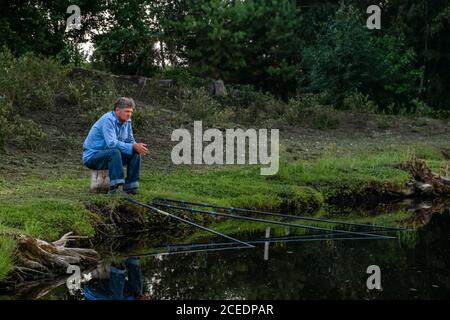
{"x": 424, "y": 213}
{"x": 420, "y": 172}
{"x": 36, "y": 259}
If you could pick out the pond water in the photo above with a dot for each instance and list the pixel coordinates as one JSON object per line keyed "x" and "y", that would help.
{"x": 413, "y": 265}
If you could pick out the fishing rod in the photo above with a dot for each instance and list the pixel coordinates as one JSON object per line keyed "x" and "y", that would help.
{"x": 215, "y": 213}
{"x": 200, "y": 204}
{"x": 167, "y": 214}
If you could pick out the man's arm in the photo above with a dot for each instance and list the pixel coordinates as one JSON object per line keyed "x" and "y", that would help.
{"x": 109, "y": 133}
{"x": 140, "y": 148}
{"x": 130, "y": 138}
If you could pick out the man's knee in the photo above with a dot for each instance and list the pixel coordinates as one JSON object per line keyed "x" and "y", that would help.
{"x": 135, "y": 158}
{"x": 115, "y": 153}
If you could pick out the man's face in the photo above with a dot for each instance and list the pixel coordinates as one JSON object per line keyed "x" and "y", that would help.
{"x": 124, "y": 114}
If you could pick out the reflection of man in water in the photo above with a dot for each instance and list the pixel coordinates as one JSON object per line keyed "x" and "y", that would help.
{"x": 116, "y": 283}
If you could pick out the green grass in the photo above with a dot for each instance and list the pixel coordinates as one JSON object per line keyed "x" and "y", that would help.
{"x": 47, "y": 208}
{"x": 7, "y": 247}
{"x": 299, "y": 184}
{"x": 242, "y": 187}
{"x": 46, "y": 218}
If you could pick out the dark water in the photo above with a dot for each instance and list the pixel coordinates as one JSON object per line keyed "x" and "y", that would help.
{"x": 415, "y": 265}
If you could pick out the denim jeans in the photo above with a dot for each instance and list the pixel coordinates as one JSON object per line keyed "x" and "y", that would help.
{"x": 114, "y": 160}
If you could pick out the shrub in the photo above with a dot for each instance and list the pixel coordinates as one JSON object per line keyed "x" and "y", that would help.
{"x": 252, "y": 106}
{"x": 27, "y": 133}
{"x": 95, "y": 100}
{"x": 324, "y": 119}
{"x": 72, "y": 53}
{"x": 421, "y": 108}
{"x": 308, "y": 109}
{"x": 358, "y": 101}
{"x": 301, "y": 107}
{"x": 198, "y": 104}
{"x": 182, "y": 76}
{"x": 5, "y": 125}
{"x": 30, "y": 82}
{"x": 22, "y": 132}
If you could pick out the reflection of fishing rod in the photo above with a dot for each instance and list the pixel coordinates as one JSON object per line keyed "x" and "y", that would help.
{"x": 246, "y": 245}
{"x": 170, "y": 252}
{"x": 199, "y": 204}
{"x": 203, "y": 247}
{"x": 234, "y": 216}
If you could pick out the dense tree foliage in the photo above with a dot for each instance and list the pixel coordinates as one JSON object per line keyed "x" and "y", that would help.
{"x": 347, "y": 58}
{"x": 282, "y": 46}
{"x": 39, "y": 26}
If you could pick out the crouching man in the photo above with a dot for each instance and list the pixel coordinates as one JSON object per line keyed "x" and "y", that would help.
{"x": 110, "y": 145}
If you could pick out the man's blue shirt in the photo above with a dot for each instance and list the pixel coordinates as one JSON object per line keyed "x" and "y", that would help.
{"x": 108, "y": 133}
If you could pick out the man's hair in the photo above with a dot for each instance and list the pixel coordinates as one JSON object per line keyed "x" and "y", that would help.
{"x": 123, "y": 103}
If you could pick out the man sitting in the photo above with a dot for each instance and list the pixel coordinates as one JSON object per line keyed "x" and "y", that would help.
{"x": 110, "y": 145}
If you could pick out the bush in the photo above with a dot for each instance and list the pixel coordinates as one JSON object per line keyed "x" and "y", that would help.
{"x": 72, "y": 53}
{"x": 422, "y": 109}
{"x": 182, "y": 76}
{"x": 308, "y": 109}
{"x": 324, "y": 119}
{"x": 198, "y": 104}
{"x": 358, "y": 101}
{"x": 27, "y": 84}
{"x": 301, "y": 107}
{"x": 15, "y": 129}
{"x": 27, "y": 133}
{"x": 30, "y": 82}
{"x": 251, "y": 106}
{"x": 95, "y": 100}
{"x": 5, "y": 126}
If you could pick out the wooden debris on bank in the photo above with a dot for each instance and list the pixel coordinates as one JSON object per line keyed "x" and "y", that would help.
{"x": 41, "y": 259}
{"x": 425, "y": 177}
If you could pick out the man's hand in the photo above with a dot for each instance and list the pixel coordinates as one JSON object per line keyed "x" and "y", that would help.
{"x": 140, "y": 148}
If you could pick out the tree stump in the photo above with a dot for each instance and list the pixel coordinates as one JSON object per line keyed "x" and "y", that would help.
{"x": 99, "y": 181}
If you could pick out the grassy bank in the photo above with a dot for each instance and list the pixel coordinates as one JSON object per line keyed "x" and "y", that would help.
{"x": 47, "y": 208}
